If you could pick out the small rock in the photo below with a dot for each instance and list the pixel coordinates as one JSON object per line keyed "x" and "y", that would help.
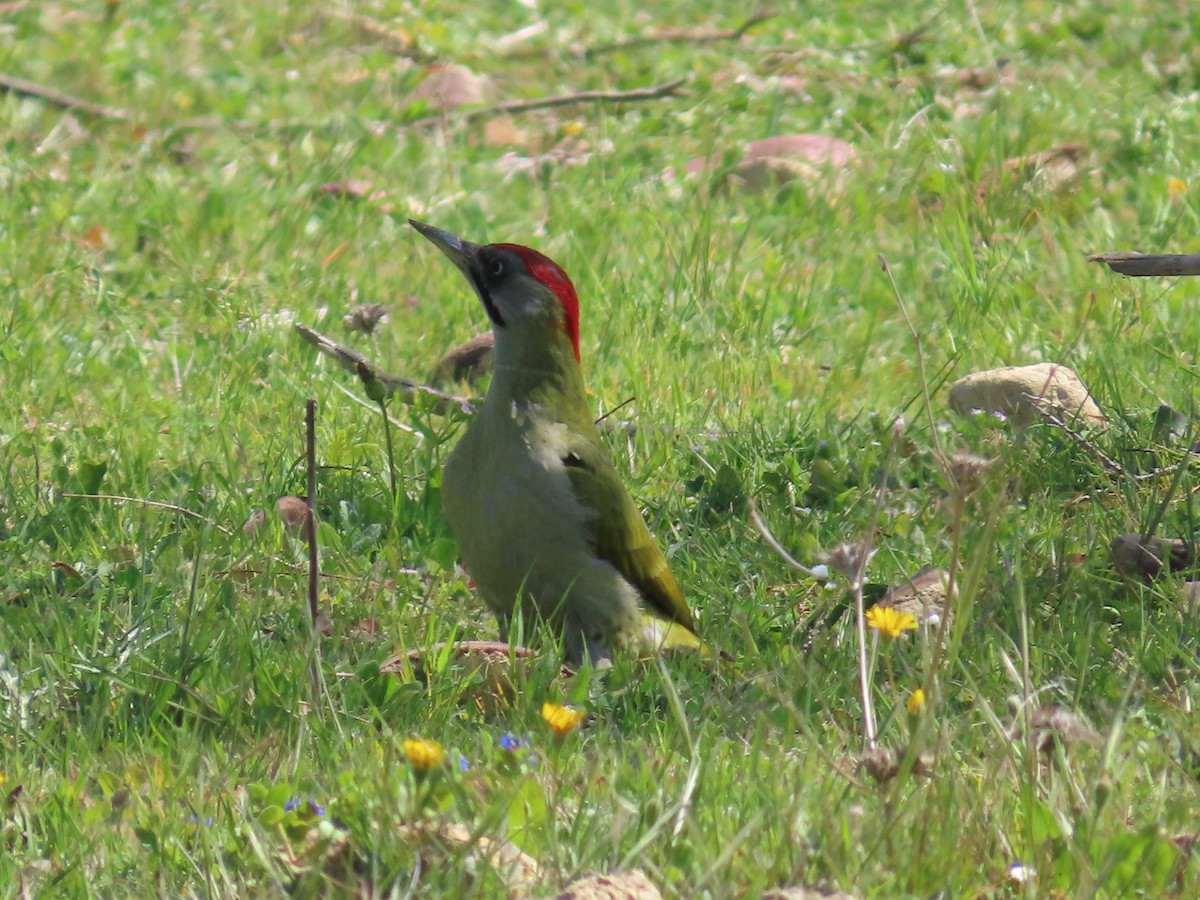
{"x": 445, "y": 843}
{"x": 923, "y": 595}
{"x": 1019, "y": 393}
{"x": 774, "y": 161}
{"x": 293, "y": 512}
{"x": 818, "y": 149}
{"x": 450, "y": 86}
{"x": 628, "y": 885}
{"x": 1050, "y": 170}
{"x": 1144, "y": 559}
{"x": 758, "y": 175}
{"x": 796, "y": 892}
{"x": 467, "y": 362}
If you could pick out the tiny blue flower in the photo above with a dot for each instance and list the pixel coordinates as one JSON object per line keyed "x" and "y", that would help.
{"x": 317, "y": 808}
{"x": 463, "y": 765}
{"x": 511, "y": 743}
{"x": 291, "y": 804}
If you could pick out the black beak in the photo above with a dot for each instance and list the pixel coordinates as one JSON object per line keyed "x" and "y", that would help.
{"x": 465, "y": 255}
{"x": 462, "y": 253}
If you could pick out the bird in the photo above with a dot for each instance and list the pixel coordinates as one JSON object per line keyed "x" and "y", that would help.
{"x": 543, "y": 522}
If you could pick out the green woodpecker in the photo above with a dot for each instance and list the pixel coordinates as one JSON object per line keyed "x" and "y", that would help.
{"x": 541, "y": 516}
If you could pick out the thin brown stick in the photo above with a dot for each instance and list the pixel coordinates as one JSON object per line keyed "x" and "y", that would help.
{"x": 152, "y": 504}
{"x": 1150, "y": 265}
{"x": 760, "y": 525}
{"x": 381, "y": 385}
{"x": 393, "y": 41}
{"x": 314, "y": 565}
{"x": 511, "y": 107}
{"x": 447, "y": 117}
{"x": 679, "y": 36}
{"x": 1111, "y": 465}
{"x": 23, "y": 88}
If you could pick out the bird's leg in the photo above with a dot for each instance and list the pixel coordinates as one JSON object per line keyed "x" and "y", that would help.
{"x": 582, "y": 648}
{"x": 504, "y": 625}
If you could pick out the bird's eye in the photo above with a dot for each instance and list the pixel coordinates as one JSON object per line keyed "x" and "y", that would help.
{"x": 496, "y": 268}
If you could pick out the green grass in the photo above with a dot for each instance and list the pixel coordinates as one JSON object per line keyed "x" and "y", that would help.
{"x": 156, "y": 705}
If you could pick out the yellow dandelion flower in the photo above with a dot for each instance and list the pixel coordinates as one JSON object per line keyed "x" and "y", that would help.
{"x": 1176, "y": 188}
{"x": 890, "y": 621}
{"x": 915, "y": 700}
{"x": 562, "y": 719}
{"x": 423, "y": 754}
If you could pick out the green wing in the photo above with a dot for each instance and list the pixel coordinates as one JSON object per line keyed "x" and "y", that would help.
{"x": 621, "y": 537}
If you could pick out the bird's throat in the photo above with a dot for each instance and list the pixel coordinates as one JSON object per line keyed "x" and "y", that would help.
{"x": 542, "y": 372}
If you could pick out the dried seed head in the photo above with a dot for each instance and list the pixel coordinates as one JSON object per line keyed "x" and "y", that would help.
{"x": 966, "y": 470}
{"x": 850, "y": 558}
{"x": 365, "y": 317}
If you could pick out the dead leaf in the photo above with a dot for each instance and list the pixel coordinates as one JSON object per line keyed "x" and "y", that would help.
{"x": 883, "y": 763}
{"x": 1047, "y": 171}
{"x": 774, "y": 161}
{"x": 352, "y": 189}
{"x": 1052, "y": 723}
{"x": 502, "y": 131}
{"x": 67, "y": 568}
{"x": 95, "y": 237}
{"x": 256, "y": 520}
{"x": 818, "y": 149}
{"x": 366, "y": 628}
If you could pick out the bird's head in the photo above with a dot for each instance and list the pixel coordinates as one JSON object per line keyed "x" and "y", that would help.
{"x": 522, "y": 290}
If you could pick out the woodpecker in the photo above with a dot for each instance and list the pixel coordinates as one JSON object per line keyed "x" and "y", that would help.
{"x": 542, "y": 519}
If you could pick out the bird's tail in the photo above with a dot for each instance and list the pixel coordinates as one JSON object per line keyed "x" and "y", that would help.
{"x": 661, "y": 634}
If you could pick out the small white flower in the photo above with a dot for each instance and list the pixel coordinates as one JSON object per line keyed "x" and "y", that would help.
{"x": 1021, "y": 873}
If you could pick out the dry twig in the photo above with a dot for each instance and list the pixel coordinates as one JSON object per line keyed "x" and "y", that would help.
{"x": 23, "y": 88}
{"x": 680, "y": 36}
{"x": 152, "y": 504}
{"x": 462, "y": 114}
{"x": 395, "y": 42}
{"x": 381, "y": 385}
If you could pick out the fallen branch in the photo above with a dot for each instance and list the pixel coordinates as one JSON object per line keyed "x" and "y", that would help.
{"x": 381, "y": 385}
{"x": 677, "y": 36}
{"x": 463, "y": 114}
{"x": 23, "y": 88}
{"x": 1149, "y": 265}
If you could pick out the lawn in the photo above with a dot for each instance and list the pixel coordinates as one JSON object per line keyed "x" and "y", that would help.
{"x": 221, "y": 172}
